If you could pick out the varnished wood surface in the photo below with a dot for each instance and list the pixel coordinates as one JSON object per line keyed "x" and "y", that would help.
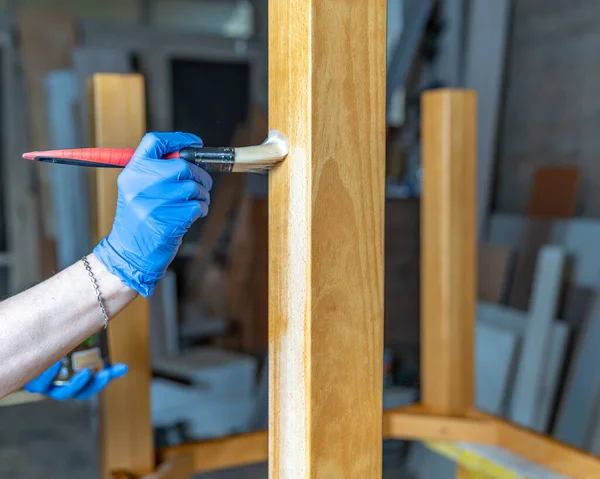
{"x": 414, "y": 423}
{"x": 229, "y": 452}
{"x": 402, "y": 423}
{"x": 326, "y": 210}
{"x": 448, "y": 250}
{"x": 547, "y": 452}
{"x": 126, "y": 439}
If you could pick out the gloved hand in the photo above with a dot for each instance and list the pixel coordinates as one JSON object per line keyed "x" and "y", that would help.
{"x": 81, "y": 386}
{"x": 158, "y": 200}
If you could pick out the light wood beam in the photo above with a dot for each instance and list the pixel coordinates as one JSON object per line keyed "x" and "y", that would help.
{"x": 448, "y": 251}
{"x": 327, "y": 63}
{"x": 118, "y": 120}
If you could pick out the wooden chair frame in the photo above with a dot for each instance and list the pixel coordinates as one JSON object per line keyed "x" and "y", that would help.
{"x": 327, "y": 93}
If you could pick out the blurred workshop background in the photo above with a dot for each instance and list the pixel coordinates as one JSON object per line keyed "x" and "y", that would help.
{"x": 536, "y": 69}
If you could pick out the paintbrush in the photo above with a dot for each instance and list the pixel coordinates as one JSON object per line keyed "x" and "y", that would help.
{"x": 245, "y": 159}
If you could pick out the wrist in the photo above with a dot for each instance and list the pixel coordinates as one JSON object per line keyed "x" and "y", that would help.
{"x": 125, "y": 269}
{"x": 111, "y": 286}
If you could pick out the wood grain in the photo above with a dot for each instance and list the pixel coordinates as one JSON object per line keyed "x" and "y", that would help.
{"x": 327, "y": 64}
{"x": 547, "y": 452}
{"x": 223, "y": 453}
{"x": 448, "y": 251}
{"x": 407, "y": 424}
{"x": 411, "y": 422}
{"x": 126, "y": 438}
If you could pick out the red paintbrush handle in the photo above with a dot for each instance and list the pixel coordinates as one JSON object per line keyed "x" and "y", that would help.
{"x": 118, "y": 157}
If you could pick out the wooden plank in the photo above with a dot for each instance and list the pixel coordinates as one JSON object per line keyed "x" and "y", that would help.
{"x": 448, "y": 251}
{"x": 126, "y": 439}
{"x": 492, "y": 272}
{"x": 223, "y": 453}
{"x": 495, "y": 354}
{"x": 46, "y": 40}
{"x": 164, "y": 323}
{"x": 487, "y": 34}
{"x": 536, "y": 234}
{"x": 449, "y": 63}
{"x": 414, "y": 424}
{"x": 87, "y": 61}
{"x": 178, "y": 467}
{"x": 505, "y": 229}
{"x": 407, "y": 422}
{"x": 68, "y": 186}
{"x": 546, "y": 452}
{"x": 516, "y": 321}
{"x": 327, "y": 64}
{"x": 538, "y": 336}
{"x": 579, "y": 236}
{"x": 549, "y": 388}
{"x": 19, "y": 193}
{"x": 554, "y": 192}
{"x": 574, "y": 422}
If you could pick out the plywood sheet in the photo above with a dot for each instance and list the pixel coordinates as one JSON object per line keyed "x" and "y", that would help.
{"x": 495, "y": 352}
{"x": 506, "y": 229}
{"x": 86, "y": 62}
{"x": 46, "y": 40}
{"x": 554, "y": 192}
{"x": 538, "y": 336}
{"x": 492, "y": 272}
{"x": 549, "y": 390}
{"x": 579, "y": 236}
{"x": 516, "y": 321}
{"x": 574, "y": 423}
{"x": 536, "y": 234}
{"x": 69, "y": 186}
{"x": 484, "y": 66}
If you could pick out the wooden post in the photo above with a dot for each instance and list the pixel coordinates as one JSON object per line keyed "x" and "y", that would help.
{"x": 448, "y": 251}
{"x": 327, "y": 63}
{"x": 118, "y": 120}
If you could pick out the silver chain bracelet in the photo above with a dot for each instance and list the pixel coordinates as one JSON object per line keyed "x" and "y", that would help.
{"x": 97, "y": 289}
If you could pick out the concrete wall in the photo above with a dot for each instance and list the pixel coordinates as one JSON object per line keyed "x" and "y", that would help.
{"x": 552, "y": 101}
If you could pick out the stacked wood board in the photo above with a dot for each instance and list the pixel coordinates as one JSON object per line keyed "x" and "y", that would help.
{"x": 577, "y": 388}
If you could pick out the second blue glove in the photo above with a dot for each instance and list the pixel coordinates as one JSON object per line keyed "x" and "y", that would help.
{"x": 82, "y": 385}
{"x": 158, "y": 200}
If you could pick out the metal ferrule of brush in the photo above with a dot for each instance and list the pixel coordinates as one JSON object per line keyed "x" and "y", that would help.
{"x": 212, "y": 159}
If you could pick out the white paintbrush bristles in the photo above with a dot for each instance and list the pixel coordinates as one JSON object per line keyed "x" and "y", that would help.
{"x": 264, "y": 156}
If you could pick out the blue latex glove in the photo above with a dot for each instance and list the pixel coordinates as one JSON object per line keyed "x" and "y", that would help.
{"x": 81, "y": 386}
{"x": 158, "y": 200}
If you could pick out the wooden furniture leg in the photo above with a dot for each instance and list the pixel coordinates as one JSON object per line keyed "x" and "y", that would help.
{"x": 448, "y": 251}
{"x": 118, "y": 119}
{"x": 327, "y": 65}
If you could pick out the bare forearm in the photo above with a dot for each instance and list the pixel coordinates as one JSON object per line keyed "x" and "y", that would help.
{"x": 42, "y": 324}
